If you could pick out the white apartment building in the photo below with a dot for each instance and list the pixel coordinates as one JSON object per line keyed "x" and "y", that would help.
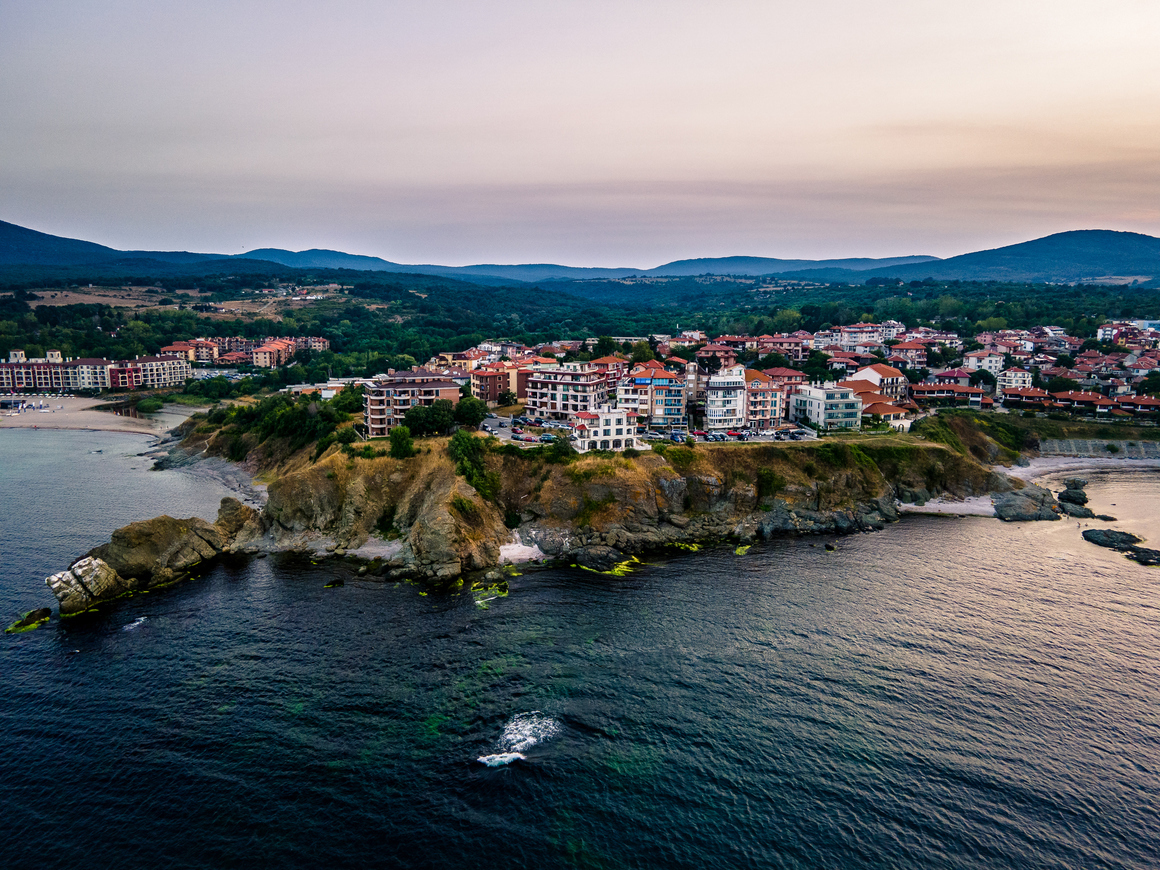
{"x": 984, "y": 359}
{"x": 726, "y": 399}
{"x": 827, "y": 406}
{"x": 1013, "y": 379}
{"x": 562, "y": 391}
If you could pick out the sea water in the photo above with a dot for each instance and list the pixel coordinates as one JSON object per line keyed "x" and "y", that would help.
{"x": 956, "y": 693}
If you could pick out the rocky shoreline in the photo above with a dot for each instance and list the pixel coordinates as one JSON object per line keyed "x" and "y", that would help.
{"x": 419, "y": 519}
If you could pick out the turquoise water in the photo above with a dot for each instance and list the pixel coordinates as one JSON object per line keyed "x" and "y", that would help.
{"x": 947, "y": 693}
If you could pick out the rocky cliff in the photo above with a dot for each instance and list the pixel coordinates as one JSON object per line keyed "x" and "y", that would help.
{"x": 418, "y": 518}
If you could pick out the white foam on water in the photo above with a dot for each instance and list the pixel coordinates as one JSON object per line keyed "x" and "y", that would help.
{"x": 501, "y": 758}
{"x": 525, "y": 730}
{"x": 136, "y": 623}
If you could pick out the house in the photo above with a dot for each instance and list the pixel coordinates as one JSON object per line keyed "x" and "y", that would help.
{"x": 912, "y": 351}
{"x": 725, "y": 354}
{"x": 889, "y": 380}
{"x": 826, "y": 406}
{"x": 988, "y": 360}
{"x": 605, "y": 428}
{"x": 962, "y": 377}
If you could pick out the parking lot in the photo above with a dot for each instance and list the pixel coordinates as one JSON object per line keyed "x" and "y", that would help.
{"x": 529, "y": 434}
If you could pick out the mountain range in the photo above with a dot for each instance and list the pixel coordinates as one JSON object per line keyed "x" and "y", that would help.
{"x": 1077, "y": 256}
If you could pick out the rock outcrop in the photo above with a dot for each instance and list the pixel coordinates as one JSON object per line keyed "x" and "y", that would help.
{"x": 1027, "y": 504}
{"x": 145, "y": 555}
{"x": 1123, "y": 542}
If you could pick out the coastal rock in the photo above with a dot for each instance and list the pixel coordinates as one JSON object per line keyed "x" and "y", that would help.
{"x": 1111, "y": 538}
{"x": 30, "y": 620}
{"x": 1073, "y": 496}
{"x": 1075, "y": 510}
{"x": 1075, "y": 483}
{"x": 1123, "y": 542}
{"x": 146, "y": 554}
{"x": 599, "y": 558}
{"x": 87, "y": 582}
{"x": 1027, "y": 504}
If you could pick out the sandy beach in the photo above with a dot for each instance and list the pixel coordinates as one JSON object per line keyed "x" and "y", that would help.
{"x": 81, "y": 413}
{"x": 1037, "y": 471}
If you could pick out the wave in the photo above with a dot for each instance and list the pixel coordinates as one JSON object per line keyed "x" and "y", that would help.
{"x": 136, "y": 623}
{"x": 521, "y": 733}
{"x": 501, "y": 758}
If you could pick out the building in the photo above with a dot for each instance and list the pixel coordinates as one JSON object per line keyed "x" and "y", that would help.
{"x": 655, "y": 394}
{"x": 726, "y": 355}
{"x": 1012, "y": 379}
{"x": 54, "y": 373}
{"x": 387, "y": 398}
{"x": 605, "y": 429}
{"x": 827, "y": 406}
{"x": 560, "y": 392}
{"x": 764, "y": 401}
{"x": 725, "y": 399}
{"x": 984, "y": 359}
{"x": 273, "y": 353}
{"x": 889, "y": 380}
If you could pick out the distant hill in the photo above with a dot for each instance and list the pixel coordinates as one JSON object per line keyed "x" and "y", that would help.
{"x": 1077, "y": 256}
{"x": 772, "y": 266}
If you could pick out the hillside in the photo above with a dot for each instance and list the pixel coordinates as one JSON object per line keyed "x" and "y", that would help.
{"x": 1078, "y": 256}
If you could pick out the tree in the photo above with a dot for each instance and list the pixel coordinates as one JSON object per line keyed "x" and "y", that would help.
{"x": 604, "y": 346}
{"x": 1151, "y": 384}
{"x": 1065, "y": 360}
{"x": 507, "y": 397}
{"x": 982, "y": 376}
{"x": 442, "y": 415}
{"x": 1061, "y": 385}
{"x": 641, "y": 352}
{"x": 402, "y": 445}
{"x": 418, "y": 420}
{"x": 470, "y": 411}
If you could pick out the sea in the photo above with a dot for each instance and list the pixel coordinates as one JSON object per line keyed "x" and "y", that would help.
{"x": 946, "y": 693}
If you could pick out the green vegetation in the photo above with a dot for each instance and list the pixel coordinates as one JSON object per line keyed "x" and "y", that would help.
{"x": 150, "y": 405}
{"x": 402, "y": 445}
{"x": 469, "y": 453}
{"x": 769, "y": 483}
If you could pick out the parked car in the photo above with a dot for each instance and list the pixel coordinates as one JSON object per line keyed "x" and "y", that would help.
{"x": 547, "y": 438}
{"x": 677, "y": 437}
{"x": 700, "y": 433}
{"x": 516, "y": 430}
{"x": 502, "y": 424}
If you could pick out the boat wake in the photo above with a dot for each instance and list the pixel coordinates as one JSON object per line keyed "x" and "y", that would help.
{"x": 521, "y": 733}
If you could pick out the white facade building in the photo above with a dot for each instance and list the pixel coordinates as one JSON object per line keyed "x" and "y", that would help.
{"x": 725, "y": 399}
{"x": 827, "y": 406}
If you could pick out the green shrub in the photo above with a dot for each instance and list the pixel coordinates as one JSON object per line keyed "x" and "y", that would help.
{"x": 769, "y": 483}
{"x": 346, "y": 435}
{"x": 150, "y": 405}
{"x": 402, "y": 445}
{"x": 1113, "y": 448}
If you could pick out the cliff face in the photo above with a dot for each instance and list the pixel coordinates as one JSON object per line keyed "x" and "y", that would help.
{"x": 418, "y": 518}
{"x": 422, "y": 520}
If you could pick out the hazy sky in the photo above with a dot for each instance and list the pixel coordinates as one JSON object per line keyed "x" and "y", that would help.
{"x": 588, "y": 133}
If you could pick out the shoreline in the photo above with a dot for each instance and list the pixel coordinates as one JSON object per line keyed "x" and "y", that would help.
{"x": 82, "y": 414}
{"x": 1037, "y": 472}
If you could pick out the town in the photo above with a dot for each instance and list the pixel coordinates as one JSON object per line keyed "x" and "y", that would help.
{"x": 611, "y": 392}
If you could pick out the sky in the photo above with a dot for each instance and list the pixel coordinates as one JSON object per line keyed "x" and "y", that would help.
{"x": 586, "y": 133}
